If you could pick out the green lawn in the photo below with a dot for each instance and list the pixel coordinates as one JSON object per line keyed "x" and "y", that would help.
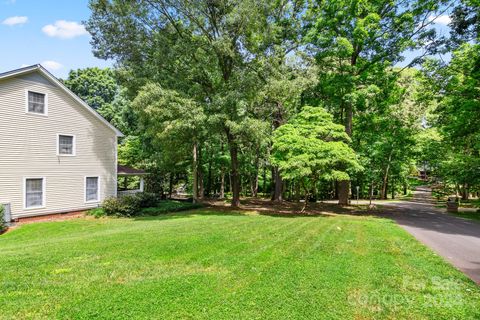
{"x": 468, "y": 215}
{"x": 209, "y": 265}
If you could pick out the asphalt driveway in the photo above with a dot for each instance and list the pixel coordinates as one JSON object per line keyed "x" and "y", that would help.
{"x": 454, "y": 238}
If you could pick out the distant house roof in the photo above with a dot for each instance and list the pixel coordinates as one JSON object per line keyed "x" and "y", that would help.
{"x": 58, "y": 83}
{"x": 129, "y": 171}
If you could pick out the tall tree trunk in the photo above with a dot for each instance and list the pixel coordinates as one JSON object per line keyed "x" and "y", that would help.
{"x": 264, "y": 180}
{"x": 201, "y": 182}
{"x": 393, "y": 188}
{"x": 235, "y": 174}
{"x": 222, "y": 183}
{"x": 385, "y": 176}
{"x": 209, "y": 178}
{"x": 307, "y": 195}
{"x": 384, "y": 191}
{"x": 371, "y": 193}
{"x": 222, "y": 177}
{"x": 278, "y": 120}
{"x": 465, "y": 192}
{"x": 343, "y": 191}
{"x": 170, "y": 186}
{"x": 344, "y": 185}
{"x": 254, "y": 186}
{"x": 277, "y": 191}
{"x": 201, "y": 188}
{"x": 195, "y": 172}
{"x": 349, "y": 119}
{"x": 254, "y": 179}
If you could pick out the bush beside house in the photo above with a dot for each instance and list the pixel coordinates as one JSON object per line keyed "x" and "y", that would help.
{"x": 3, "y": 225}
{"x": 140, "y": 204}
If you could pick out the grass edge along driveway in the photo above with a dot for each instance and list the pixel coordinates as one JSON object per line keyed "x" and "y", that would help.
{"x": 213, "y": 265}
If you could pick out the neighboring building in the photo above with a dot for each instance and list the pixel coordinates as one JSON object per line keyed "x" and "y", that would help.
{"x": 56, "y": 153}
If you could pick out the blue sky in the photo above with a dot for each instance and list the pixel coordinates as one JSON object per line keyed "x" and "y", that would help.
{"x": 50, "y": 32}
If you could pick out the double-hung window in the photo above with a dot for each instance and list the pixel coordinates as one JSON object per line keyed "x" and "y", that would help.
{"x": 92, "y": 193}
{"x": 34, "y": 193}
{"x": 36, "y": 103}
{"x": 65, "y": 145}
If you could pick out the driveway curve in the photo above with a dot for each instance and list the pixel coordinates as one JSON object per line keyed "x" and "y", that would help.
{"x": 454, "y": 238}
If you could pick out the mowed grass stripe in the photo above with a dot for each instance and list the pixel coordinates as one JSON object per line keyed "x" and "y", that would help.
{"x": 211, "y": 265}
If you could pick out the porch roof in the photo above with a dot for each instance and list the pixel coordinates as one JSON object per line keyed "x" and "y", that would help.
{"x": 129, "y": 171}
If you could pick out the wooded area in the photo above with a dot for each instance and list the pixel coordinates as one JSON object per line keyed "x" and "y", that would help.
{"x": 289, "y": 99}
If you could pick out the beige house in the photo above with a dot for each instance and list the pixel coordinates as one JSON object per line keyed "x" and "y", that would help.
{"x": 56, "y": 153}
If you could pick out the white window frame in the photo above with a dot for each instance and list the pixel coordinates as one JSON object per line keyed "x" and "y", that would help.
{"x": 74, "y": 147}
{"x": 45, "y": 114}
{"x": 44, "y": 193}
{"x": 85, "y": 189}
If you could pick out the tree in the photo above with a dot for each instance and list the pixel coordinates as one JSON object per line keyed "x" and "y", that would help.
{"x": 97, "y": 87}
{"x": 174, "y": 124}
{"x": 209, "y": 51}
{"x": 356, "y": 43}
{"x": 311, "y": 147}
{"x": 456, "y": 100}
{"x": 465, "y": 25}
{"x": 100, "y": 90}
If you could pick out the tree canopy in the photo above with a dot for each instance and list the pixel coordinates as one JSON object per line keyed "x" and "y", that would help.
{"x": 224, "y": 97}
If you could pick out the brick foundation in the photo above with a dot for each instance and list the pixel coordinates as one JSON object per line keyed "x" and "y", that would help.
{"x": 51, "y": 217}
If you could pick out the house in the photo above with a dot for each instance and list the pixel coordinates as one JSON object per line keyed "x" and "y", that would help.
{"x": 57, "y": 154}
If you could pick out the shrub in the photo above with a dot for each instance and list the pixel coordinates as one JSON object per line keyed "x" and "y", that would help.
{"x": 3, "y": 225}
{"x": 147, "y": 199}
{"x": 167, "y": 206}
{"x": 126, "y": 206}
{"x": 139, "y": 204}
{"x": 97, "y": 212}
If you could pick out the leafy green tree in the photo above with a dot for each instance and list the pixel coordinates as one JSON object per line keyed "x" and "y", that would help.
{"x": 456, "y": 97}
{"x": 97, "y": 87}
{"x": 174, "y": 124}
{"x": 356, "y": 43}
{"x": 207, "y": 51}
{"x": 465, "y": 25}
{"x": 385, "y": 139}
{"x": 311, "y": 147}
{"x": 100, "y": 90}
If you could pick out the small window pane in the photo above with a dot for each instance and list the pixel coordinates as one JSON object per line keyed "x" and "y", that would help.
{"x": 65, "y": 144}
{"x": 36, "y": 102}
{"x": 91, "y": 189}
{"x": 34, "y": 193}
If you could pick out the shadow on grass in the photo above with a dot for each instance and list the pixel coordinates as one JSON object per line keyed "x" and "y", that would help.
{"x": 263, "y": 207}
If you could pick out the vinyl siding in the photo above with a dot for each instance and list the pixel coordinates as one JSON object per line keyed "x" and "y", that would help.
{"x": 28, "y": 147}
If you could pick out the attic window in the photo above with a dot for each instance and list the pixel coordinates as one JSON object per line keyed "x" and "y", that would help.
{"x": 36, "y": 103}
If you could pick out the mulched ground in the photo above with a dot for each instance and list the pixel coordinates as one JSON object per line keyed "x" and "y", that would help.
{"x": 266, "y": 206}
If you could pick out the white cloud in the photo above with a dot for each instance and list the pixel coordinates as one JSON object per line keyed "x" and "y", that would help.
{"x": 64, "y": 29}
{"x": 441, "y": 19}
{"x": 52, "y": 65}
{"x": 15, "y": 20}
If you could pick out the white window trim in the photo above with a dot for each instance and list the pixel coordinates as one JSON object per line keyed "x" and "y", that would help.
{"x": 44, "y": 193}
{"x": 74, "y": 147}
{"x": 45, "y": 114}
{"x": 85, "y": 190}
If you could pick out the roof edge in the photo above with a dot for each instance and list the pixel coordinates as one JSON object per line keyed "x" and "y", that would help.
{"x": 58, "y": 83}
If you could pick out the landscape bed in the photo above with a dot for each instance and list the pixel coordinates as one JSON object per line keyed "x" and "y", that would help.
{"x": 216, "y": 265}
